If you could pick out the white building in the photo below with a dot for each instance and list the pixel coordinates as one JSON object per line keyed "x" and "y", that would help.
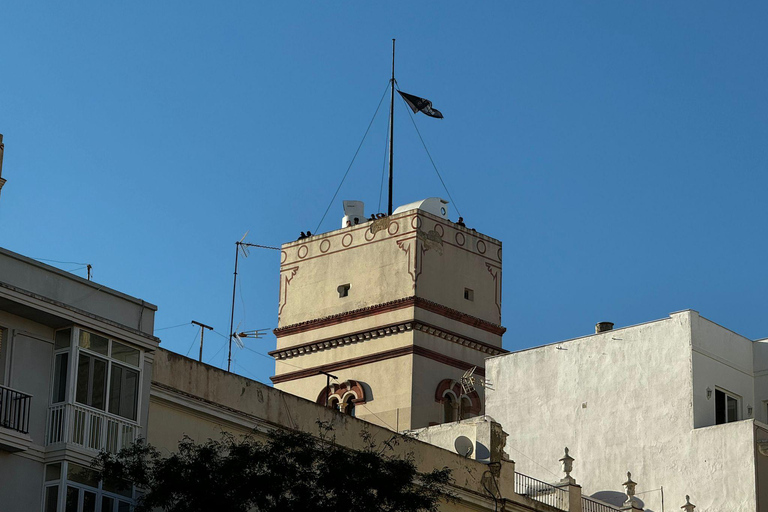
{"x": 681, "y": 402}
{"x": 75, "y": 369}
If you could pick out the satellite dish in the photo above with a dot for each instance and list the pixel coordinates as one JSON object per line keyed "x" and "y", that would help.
{"x": 464, "y": 446}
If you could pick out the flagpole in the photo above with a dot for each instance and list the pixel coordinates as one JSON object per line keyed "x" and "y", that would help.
{"x": 391, "y": 126}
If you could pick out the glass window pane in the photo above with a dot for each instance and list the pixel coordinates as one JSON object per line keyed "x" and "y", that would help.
{"x": 94, "y": 342}
{"x": 115, "y": 381}
{"x": 99, "y": 391}
{"x": 130, "y": 394}
{"x": 123, "y": 391}
{"x": 107, "y": 504}
{"x": 63, "y": 339}
{"x": 89, "y": 501}
{"x": 51, "y": 498}
{"x": 123, "y": 488}
{"x": 83, "y": 376}
{"x": 82, "y": 475}
{"x": 125, "y": 353}
{"x": 73, "y": 499}
{"x": 123, "y": 506}
{"x": 53, "y": 472}
{"x": 732, "y": 409}
{"x": 60, "y": 377}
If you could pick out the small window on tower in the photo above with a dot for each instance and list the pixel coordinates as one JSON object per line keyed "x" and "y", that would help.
{"x": 469, "y": 294}
{"x": 343, "y": 290}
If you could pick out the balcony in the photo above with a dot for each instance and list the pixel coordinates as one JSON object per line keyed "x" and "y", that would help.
{"x": 14, "y": 419}
{"x": 90, "y": 428}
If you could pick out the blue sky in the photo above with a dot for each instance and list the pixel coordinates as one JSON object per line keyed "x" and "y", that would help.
{"x": 618, "y": 149}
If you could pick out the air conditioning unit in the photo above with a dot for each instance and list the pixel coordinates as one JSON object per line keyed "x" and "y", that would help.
{"x": 354, "y": 213}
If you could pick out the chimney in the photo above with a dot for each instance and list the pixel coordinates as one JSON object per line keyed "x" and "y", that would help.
{"x": 603, "y": 327}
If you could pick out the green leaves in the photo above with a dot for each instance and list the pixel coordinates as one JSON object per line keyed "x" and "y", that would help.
{"x": 289, "y": 472}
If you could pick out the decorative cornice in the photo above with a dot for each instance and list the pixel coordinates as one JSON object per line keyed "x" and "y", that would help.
{"x": 385, "y": 307}
{"x": 386, "y": 330}
{"x": 346, "y": 339}
{"x": 373, "y": 358}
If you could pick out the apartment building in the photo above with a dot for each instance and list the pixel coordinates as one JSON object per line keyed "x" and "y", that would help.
{"x": 681, "y": 402}
{"x": 75, "y": 372}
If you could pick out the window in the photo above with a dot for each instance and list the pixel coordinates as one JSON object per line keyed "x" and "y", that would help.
{"x": 82, "y": 492}
{"x": 726, "y": 407}
{"x": 469, "y": 294}
{"x": 3, "y": 350}
{"x": 107, "y": 383}
{"x": 348, "y": 407}
{"x": 465, "y": 407}
{"x": 123, "y": 391}
{"x": 449, "y": 405}
{"x": 60, "y": 365}
{"x": 91, "y": 380}
{"x": 343, "y": 290}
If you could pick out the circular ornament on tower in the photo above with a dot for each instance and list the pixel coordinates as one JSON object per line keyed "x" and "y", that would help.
{"x": 325, "y": 245}
{"x": 481, "y": 247}
{"x": 347, "y": 240}
{"x": 303, "y": 252}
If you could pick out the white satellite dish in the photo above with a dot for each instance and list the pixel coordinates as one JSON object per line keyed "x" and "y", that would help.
{"x": 464, "y": 446}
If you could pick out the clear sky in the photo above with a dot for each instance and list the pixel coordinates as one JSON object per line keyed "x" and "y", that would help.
{"x": 618, "y": 149}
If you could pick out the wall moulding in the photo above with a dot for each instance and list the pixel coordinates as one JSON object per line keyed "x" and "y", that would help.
{"x": 405, "y": 302}
{"x": 387, "y": 330}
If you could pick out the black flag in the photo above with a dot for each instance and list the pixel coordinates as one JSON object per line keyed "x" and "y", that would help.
{"x": 420, "y": 104}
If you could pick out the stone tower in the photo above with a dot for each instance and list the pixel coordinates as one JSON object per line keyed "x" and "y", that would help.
{"x": 397, "y": 309}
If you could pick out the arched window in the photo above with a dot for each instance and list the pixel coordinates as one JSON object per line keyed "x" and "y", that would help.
{"x": 465, "y": 408}
{"x": 348, "y": 406}
{"x": 449, "y": 407}
{"x": 333, "y": 403}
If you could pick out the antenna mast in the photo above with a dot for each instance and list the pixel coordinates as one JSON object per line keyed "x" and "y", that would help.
{"x": 391, "y": 126}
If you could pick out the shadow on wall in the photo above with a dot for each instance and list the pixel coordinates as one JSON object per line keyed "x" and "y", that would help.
{"x": 615, "y": 499}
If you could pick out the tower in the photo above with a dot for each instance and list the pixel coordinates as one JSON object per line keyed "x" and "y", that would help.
{"x": 397, "y": 309}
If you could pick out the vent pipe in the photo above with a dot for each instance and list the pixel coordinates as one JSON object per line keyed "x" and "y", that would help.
{"x": 603, "y": 327}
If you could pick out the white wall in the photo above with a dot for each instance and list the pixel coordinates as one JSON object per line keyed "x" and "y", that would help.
{"x": 722, "y": 360}
{"x": 760, "y": 362}
{"x": 622, "y": 400}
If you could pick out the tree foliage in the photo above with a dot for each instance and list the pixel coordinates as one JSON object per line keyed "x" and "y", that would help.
{"x": 290, "y": 471}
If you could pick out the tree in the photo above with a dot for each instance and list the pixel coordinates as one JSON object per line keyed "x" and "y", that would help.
{"x": 290, "y": 471}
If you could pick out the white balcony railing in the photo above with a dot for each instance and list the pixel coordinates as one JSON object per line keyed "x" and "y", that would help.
{"x": 83, "y": 426}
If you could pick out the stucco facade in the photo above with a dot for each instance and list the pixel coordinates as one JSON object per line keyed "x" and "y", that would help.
{"x": 393, "y": 307}
{"x": 200, "y": 401}
{"x": 643, "y": 399}
{"x": 75, "y": 368}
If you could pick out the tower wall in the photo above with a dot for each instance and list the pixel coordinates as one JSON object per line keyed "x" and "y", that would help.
{"x": 398, "y": 304}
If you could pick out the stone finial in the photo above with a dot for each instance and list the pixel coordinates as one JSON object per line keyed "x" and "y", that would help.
{"x": 688, "y": 507}
{"x": 567, "y": 462}
{"x": 629, "y": 489}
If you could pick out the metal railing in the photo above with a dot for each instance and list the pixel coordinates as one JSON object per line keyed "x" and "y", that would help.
{"x": 83, "y": 426}
{"x": 14, "y": 409}
{"x": 592, "y": 505}
{"x": 541, "y": 491}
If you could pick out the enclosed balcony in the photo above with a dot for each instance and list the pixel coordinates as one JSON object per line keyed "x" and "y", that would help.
{"x": 96, "y": 392}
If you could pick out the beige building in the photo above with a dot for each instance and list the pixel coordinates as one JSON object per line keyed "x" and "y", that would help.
{"x": 397, "y": 309}
{"x": 75, "y": 367}
{"x": 200, "y": 401}
{"x": 680, "y": 402}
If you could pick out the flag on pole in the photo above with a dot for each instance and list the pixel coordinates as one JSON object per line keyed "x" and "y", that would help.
{"x": 422, "y": 105}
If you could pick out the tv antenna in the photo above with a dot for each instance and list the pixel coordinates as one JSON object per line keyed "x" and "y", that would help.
{"x": 203, "y": 327}
{"x": 328, "y": 378}
{"x": 240, "y": 246}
